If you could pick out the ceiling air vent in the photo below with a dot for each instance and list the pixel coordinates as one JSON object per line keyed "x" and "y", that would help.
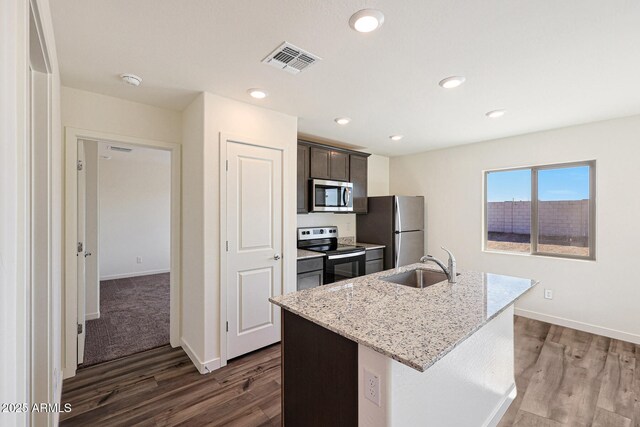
{"x": 291, "y": 58}
{"x": 123, "y": 149}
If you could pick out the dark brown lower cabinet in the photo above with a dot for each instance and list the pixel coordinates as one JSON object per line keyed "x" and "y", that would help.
{"x": 319, "y": 375}
{"x": 374, "y": 261}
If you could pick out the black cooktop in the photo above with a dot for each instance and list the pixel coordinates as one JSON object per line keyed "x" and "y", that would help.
{"x": 334, "y": 248}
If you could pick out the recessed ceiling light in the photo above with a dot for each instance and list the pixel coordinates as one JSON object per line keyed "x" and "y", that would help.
{"x": 131, "y": 79}
{"x": 342, "y": 120}
{"x": 396, "y": 137}
{"x": 257, "y": 93}
{"x": 494, "y": 114}
{"x": 451, "y": 82}
{"x": 366, "y": 20}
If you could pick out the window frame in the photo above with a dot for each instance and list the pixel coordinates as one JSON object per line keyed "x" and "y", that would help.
{"x": 534, "y": 209}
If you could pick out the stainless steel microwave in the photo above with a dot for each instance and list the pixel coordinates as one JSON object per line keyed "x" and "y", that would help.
{"x": 331, "y": 196}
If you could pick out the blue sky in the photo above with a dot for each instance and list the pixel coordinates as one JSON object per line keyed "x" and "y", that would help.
{"x": 553, "y": 184}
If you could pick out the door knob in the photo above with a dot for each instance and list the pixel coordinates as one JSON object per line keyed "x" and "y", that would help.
{"x": 86, "y": 254}
{"x": 276, "y": 257}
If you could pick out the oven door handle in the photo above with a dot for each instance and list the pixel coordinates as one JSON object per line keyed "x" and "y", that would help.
{"x": 352, "y": 254}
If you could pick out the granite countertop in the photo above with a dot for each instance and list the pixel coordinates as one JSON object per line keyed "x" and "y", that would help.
{"x": 416, "y": 327}
{"x": 370, "y": 246}
{"x": 304, "y": 254}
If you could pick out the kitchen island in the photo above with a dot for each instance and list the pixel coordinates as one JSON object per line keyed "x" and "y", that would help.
{"x": 373, "y": 353}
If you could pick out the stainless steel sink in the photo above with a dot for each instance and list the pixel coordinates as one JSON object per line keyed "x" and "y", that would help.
{"x": 419, "y": 278}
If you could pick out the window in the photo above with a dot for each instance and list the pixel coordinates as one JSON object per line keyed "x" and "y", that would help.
{"x": 542, "y": 210}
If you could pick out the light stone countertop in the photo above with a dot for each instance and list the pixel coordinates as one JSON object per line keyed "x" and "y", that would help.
{"x": 416, "y": 327}
{"x": 370, "y": 246}
{"x": 304, "y": 254}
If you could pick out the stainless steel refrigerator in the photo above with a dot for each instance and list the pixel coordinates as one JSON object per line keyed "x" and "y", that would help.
{"x": 396, "y": 222}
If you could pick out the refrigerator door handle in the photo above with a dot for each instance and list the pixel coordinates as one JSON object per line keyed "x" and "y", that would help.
{"x": 398, "y": 214}
{"x": 398, "y": 245}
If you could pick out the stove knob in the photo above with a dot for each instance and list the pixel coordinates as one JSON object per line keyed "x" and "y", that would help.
{"x": 321, "y": 231}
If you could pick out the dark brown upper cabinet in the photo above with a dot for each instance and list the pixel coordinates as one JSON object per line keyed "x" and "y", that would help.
{"x": 329, "y": 164}
{"x": 303, "y": 179}
{"x": 319, "y": 161}
{"x": 339, "y": 166}
{"x": 358, "y": 176}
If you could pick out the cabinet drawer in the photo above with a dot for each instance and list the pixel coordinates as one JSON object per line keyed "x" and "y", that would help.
{"x": 309, "y": 280}
{"x": 375, "y": 254}
{"x": 311, "y": 264}
{"x": 374, "y": 266}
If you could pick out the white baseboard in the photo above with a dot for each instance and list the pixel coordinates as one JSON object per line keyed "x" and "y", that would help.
{"x": 202, "y": 367}
{"x": 92, "y": 316}
{"x": 136, "y": 274}
{"x": 501, "y": 409}
{"x": 581, "y": 326}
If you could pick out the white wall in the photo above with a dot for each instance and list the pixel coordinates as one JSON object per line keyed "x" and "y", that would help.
{"x": 193, "y": 288}
{"x": 378, "y": 176}
{"x": 135, "y": 213}
{"x": 16, "y": 260}
{"x": 204, "y": 120}
{"x": 346, "y": 223}
{"x": 92, "y": 111}
{"x": 599, "y": 296}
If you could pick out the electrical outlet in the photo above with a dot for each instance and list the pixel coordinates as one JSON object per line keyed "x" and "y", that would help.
{"x": 139, "y": 259}
{"x": 372, "y": 387}
{"x": 548, "y": 294}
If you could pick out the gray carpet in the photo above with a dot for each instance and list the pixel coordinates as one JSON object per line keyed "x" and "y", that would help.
{"x": 134, "y": 316}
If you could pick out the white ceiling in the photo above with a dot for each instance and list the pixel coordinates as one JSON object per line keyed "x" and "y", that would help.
{"x": 549, "y": 63}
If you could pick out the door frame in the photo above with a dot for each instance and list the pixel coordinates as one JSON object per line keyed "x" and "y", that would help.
{"x": 72, "y": 135}
{"x": 225, "y": 139}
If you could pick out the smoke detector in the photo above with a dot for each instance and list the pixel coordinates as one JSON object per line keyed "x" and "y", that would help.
{"x": 131, "y": 79}
{"x": 291, "y": 58}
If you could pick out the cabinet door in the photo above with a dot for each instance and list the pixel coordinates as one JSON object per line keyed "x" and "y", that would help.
{"x": 320, "y": 163}
{"x": 309, "y": 280}
{"x": 374, "y": 266}
{"x": 303, "y": 179}
{"x": 359, "y": 180}
{"x": 339, "y": 167}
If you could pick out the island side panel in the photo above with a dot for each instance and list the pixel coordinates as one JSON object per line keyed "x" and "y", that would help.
{"x": 319, "y": 375}
{"x": 471, "y": 386}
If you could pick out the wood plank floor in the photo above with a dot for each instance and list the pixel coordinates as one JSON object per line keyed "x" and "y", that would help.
{"x": 564, "y": 378}
{"x": 571, "y": 378}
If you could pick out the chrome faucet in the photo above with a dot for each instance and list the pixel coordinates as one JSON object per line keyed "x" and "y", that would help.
{"x": 450, "y": 271}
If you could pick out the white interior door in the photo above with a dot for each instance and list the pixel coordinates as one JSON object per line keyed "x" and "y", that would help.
{"x": 254, "y": 232}
{"x": 81, "y": 250}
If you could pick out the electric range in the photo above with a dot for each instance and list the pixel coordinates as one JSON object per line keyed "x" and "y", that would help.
{"x": 341, "y": 262}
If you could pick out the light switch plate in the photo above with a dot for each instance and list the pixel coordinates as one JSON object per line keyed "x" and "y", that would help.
{"x": 372, "y": 387}
{"x": 548, "y": 294}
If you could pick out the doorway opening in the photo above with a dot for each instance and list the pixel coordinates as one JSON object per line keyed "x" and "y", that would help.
{"x": 125, "y": 213}
{"x": 123, "y": 247}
